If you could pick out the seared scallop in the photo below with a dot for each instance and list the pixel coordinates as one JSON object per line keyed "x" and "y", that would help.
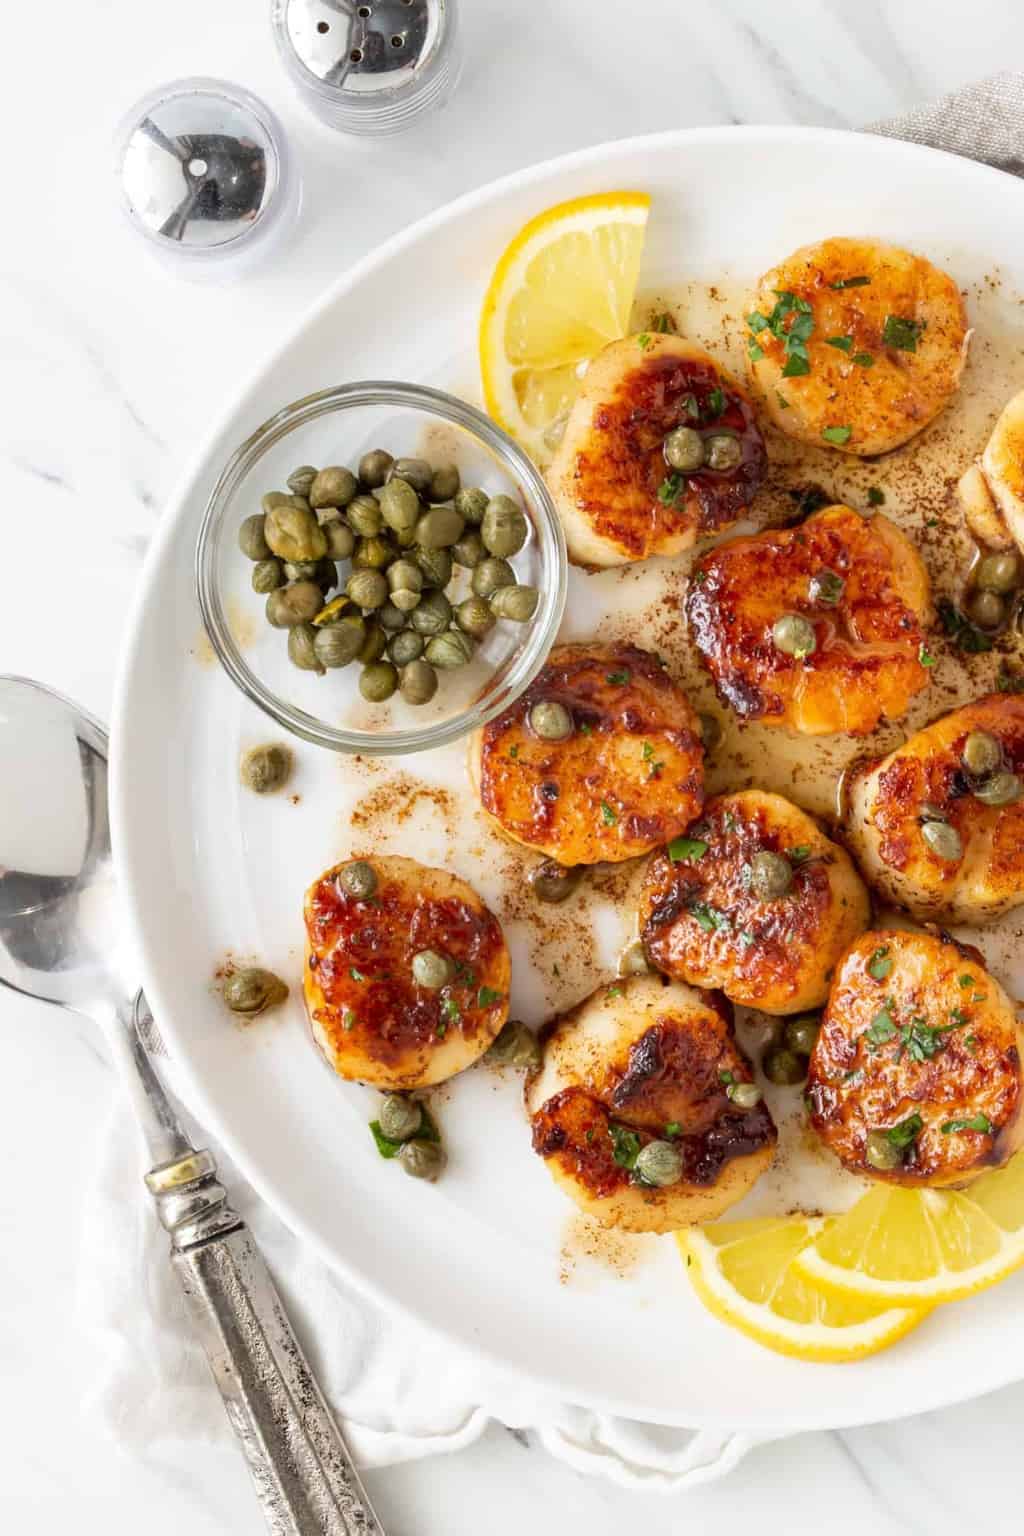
{"x": 818, "y": 627}
{"x": 644, "y": 1107}
{"x": 660, "y": 449}
{"x": 407, "y": 972}
{"x": 916, "y": 1074}
{"x": 756, "y": 900}
{"x": 856, "y": 344}
{"x": 992, "y": 490}
{"x": 600, "y": 759}
{"x": 938, "y": 825}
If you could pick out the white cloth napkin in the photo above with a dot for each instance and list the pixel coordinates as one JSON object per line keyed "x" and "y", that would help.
{"x": 400, "y": 1392}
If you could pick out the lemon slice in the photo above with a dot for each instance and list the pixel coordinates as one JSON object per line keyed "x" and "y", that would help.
{"x": 919, "y": 1247}
{"x": 560, "y": 293}
{"x": 743, "y": 1272}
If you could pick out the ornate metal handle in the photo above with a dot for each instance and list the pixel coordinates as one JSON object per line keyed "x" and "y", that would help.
{"x": 304, "y": 1478}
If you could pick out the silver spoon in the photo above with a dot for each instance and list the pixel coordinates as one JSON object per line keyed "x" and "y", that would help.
{"x": 61, "y": 941}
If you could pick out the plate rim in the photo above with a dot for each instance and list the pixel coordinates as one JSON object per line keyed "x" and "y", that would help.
{"x": 1002, "y": 1370}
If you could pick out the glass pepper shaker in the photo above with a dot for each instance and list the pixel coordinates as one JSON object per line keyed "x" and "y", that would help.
{"x": 369, "y": 68}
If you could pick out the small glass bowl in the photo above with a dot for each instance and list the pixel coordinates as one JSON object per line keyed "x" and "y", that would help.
{"x": 337, "y": 426}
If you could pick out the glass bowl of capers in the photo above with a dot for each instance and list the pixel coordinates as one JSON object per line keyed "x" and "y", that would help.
{"x": 380, "y": 568}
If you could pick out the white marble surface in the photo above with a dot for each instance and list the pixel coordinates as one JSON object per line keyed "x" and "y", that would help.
{"x": 108, "y": 373}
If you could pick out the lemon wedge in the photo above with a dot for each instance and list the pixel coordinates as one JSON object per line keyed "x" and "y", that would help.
{"x": 919, "y": 1247}
{"x": 743, "y": 1272}
{"x": 560, "y": 293}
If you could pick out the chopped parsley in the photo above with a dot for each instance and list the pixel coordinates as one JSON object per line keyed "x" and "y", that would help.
{"x": 715, "y": 401}
{"x": 617, "y": 679}
{"x": 880, "y": 964}
{"x": 614, "y": 992}
{"x": 441, "y": 1030}
{"x": 729, "y": 822}
{"x": 863, "y": 359}
{"x": 348, "y": 1019}
{"x": 585, "y": 729}
{"x": 726, "y": 1078}
{"x": 668, "y": 490}
{"x": 977, "y": 1122}
{"x": 754, "y": 352}
{"x": 876, "y": 497}
{"x": 850, "y": 282}
{"x": 791, "y": 322}
{"x": 901, "y": 334}
{"x": 707, "y": 917}
{"x": 450, "y": 1008}
{"x": 663, "y": 324}
{"x": 643, "y": 341}
{"x": 688, "y": 403}
{"x": 608, "y": 816}
{"x": 841, "y": 343}
{"x": 783, "y": 402}
{"x": 625, "y": 1146}
{"x": 906, "y": 1132}
{"x": 800, "y": 854}
{"x": 925, "y": 656}
{"x": 355, "y": 974}
{"x": 686, "y": 848}
{"x": 837, "y": 434}
{"x": 881, "y": 1029}
{"x": 965, "y": 981}
{"x": 746, "y": 938}
{"x": 513, "y": 753}
{"x": 964, "y": 635}
{"x": 428, "y": 1131}
{"x": 487, "y": 997}
{"x": 673, "y": 1128}
{"x": 922, "y": 1041}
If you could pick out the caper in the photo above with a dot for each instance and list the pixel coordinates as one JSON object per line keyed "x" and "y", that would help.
{"x": 471, "y": 504}
{"x": 332, "y": 487}
{"x": 801, "y": 1033}
{"x": 1000, "y": 789}
{"x": 267, "y": 575}
{"x": 341, "y": 541}
{"x": 723, "y": 452}
{"x": 294, "y": 534}
{"x": 998, "y": 573}
{"x": 450, "y": 650}
{"x": 404, "y": 647}
{"x": 633, "y": 960}
{"x": 374, "y": 467}
{"x": 469, "y": 550}
{"x": 365, "y": 516}
{"x": 881, "y": 1152}
{"x": 399, "y": 505}
{"x": 338, "y": 644}
{"x": 444, "y": 483}
{"x": 417, "y": 472}
{"x": 929, "y": 811}
{"x": 405, "y": 576}
{"x": 267, "y": 768}
{"x": 302, "y": 648}
{"x": 491, "y": 574}
{"x": 516, "y": 603}
{"x": 301, "y": 480}
{"x": 417, "y": 682}
{"x": 553, "y": 882}
{"x": 436, "y": 565}
{"x": 784, "y": 1066}
{"x": 253, "y": 989}
{"x": 550, "y": 721}
{"x": 432, "y": 970}
{"x": 378, "y": 681}
{"x": 391, "y": 617}
{"x": 744, "y": 1095}
{"x": 794, "y": 636}
{"x": 710, "y": 730}
{"x": 771, "y": 875}
{"x": 358, "y": 879}
{"x": 399, "y": 1118}
{"x": 439, "y": 528}
{"x": 252, "y": 540}
{"x": 374, "y": 645}
{"x": 405, "y": 599}
{"x": 826, "y": 587}
{"x": 326, "y": 575}
{"x": 374, "y": 554}
{"x": 659, "y": 1163}
{"x": 271, "y": 499}
{"x": 515, "y": 1046}
{"x": 684, "y": 449}
{"x": 987, "y": 609}
{"x": 432, "y": 615}
{"x": 369, "y": 589}
{"x": 981, "y": 753}
{"x": 302, "y": 570}
{"x": 422, "y": 1159}
{"x": 295, "y": 604}
{"x": 943, "y": 840}
{"x": 504, "y": 529}
{"x": 475, "y": 616}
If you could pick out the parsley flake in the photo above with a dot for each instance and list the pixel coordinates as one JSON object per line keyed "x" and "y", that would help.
{"x": 643, "y": 341}
{"x": 800, "y": 854}
{"x": 906, "y": 1132}
{"x": 715, "y": 401}
{"x": 614, "y": 992}
{"x": 837, "y": 434}
{"x": 355, "y": 974}
{"x": 617, "y": 679}
{"x": 965, "y": 635}
{"x": 754, "y": 352}
{"x": 901, "y": 333}
{"x": 841, "y": 343}
{"x": 880, "y": 964}
{"x": 487, "y": 997}
{"x": 663, "y": 324}
{"x": 876, "y": 497}
{"x": 625, "y": 1145}
{"x": 850, "y": 282}
{"x": 977, "y": 1122}
{"x": 669, "y": 489}
{"x": 608, "y": 816}
{"x": 965, "y": 981}
{"x": 881, "y": 1029}
{"x": 513, "y": 753}
{"x": 783, "y": 402}
{"x": 348, "y": 1019}
{"x": 707, "y": 917}
{"x": 726, "y": 1078}
{"x": 450, "y": 1008}
{"x": 673, "y": 1128}
{"x": 681, "y": 848}
{"x": 925, "y": 656}
{"x": 863, "y": 359}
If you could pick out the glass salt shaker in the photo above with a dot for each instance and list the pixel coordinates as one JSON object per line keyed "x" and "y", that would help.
{"x": 369, "y": 68}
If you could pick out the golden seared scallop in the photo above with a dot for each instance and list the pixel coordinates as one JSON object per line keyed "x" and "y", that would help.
{"x": 645, "y": 1110}
{"x": 600, "y": 759}
{"x": 992, "y": 490}
{"x": 938, "y": 825}
{"x": 755, "y": 900}
{"x": 818, "y": 627}
{"x": 660, "y": 449}
{"x": 856, "y": 344}
{"x": 407, "y": 972}
{"x": 916, "y": 1074}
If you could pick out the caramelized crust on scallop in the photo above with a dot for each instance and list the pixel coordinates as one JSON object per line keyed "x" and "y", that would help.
{"x": 701, "y": 922}
{"x": 616, "y": 495}
{"x": 866, "y": 665}
{"x": 628, "y": 778}
{"x": 638, "y": 1061}
{"x": 371, "y": 1019}
{"x": 884, "y": 356}
{"x": 918, "y": 1035}
{"x": 888, "y": 799}
{"x": 992, "y": 490}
